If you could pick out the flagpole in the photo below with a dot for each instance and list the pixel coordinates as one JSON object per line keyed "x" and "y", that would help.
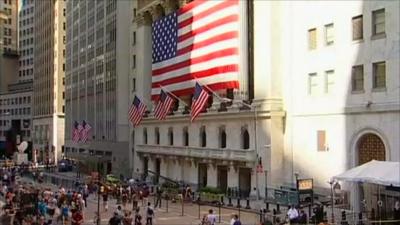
{"x": 214, "y": 93}
{"x": 176, "y": 97}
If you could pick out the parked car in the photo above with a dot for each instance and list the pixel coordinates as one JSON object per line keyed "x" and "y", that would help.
{"x": 112, "y": 179}
{"x": 65, "y": 166}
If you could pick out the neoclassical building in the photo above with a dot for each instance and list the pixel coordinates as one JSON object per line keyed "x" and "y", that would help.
{"x": 322, "y": 79}
{"x": 224, "y": 145}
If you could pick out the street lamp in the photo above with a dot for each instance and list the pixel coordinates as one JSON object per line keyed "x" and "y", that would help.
{"x": 334, "y": 186}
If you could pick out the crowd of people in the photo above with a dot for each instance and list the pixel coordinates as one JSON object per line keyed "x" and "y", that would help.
{"x": 27, "y": 203}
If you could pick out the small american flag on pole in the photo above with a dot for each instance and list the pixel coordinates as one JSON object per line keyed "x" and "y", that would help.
{"x": 76, "y": 132}
{"x": 199, "y": 101}
{"x": 136, "y": 111}
{"x": 200, "y": 41}
{"x": 85, "y": 131}
{"x": 163, "y": 106}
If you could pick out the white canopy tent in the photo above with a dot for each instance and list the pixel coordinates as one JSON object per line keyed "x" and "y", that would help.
{"x": 376, "y": 172}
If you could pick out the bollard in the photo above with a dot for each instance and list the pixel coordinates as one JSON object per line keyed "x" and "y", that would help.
{"x": 248, "y": 204}
{"x": 167, "y": 199}
{"x": 238, "y": 203}
{"x": 261, "y": 215}
{"x": 230, "y": 201}
{"x": 219, "y": 212}
{"x": 198, "y": 202}
{"x": 278, "y": 208}
{"x": 266, "y": 206}
{"x": 360, "y": 219}
{"x": 274, "y": 216}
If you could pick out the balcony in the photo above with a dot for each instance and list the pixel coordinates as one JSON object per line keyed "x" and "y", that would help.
{"x": 197, "y": 152}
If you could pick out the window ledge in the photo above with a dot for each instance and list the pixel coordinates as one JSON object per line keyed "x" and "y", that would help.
{"x": 358, "y": 92}
{"x": 383, "y": 89}
{"x": 358, "y": 41}
{"x": 378, "y": 36}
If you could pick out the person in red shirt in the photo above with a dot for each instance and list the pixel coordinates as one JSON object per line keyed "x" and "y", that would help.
{"x": 77, "y": 217}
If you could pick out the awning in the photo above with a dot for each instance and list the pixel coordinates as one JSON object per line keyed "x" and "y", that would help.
{"x": 375, "y": 172}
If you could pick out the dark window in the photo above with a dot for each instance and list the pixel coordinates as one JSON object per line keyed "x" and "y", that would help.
{"x": 203, "y": 137}
{"x": 357, "y": 78}
{"x": 379, "y": 75}
{"x": 357, "y": 23}
{"x": 222, "y": 137}
{"x": 170, "y": 136}
{"x": 157, "y": 136}
{"x": 185, "y": 137}
{"x": 145, "y": 136}
{"x": 245, "y": 139}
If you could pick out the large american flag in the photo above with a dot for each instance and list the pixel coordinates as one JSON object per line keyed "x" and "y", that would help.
{"x": 76, "y": 132}
{"x": 84, "y": 135}
{"x": 163, "y": 106}
{"x": 136, "y": 111}
{"x": 199, "y": 101}
{"x": 200, "y": 42}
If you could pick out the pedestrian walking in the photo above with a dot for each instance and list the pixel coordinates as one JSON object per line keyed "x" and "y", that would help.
{"x": 127, "y": 218}
{"x": 77, "y": 217}
{"x": 138, "y": 217}
{"x": 158, "y": 197}
{"x": 115, "y": 219}
{"x": 237, "y": 220}
{"x": 211, "y": 217}
{"x": 105, "y": 201}
{"x": 149, "y": 214}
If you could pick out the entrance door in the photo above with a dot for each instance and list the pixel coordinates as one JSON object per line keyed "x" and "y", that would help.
{"x": 222, "y": 178}
{"x": 245, "y": 182}
{"x": 202, "y": 180}
{"x": 158, "y": 170}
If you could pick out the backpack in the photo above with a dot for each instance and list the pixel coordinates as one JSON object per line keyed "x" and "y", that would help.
{"x": 150, "y": 211}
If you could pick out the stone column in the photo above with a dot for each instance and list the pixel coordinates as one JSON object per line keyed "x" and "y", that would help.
{"x": 143, "y": 56}
{"x": 233, "y": 176}
{"x": 212, "y": 175}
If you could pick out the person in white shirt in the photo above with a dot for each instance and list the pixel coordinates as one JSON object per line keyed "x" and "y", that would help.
{"x": 232, "y": 219}
{"x": 211, "y": 218}
{"x": 292, "y": 214}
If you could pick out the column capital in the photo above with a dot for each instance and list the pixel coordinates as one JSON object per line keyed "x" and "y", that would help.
{"x": 143, "y": 18}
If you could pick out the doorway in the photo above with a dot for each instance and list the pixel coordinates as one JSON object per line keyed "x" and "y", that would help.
{"x": 202, "y": 179}
{"x": 222, "y": 174}
{"x": 244, "y": 182}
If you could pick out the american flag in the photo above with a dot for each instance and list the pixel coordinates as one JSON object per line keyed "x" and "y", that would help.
{"x": 85, "y": 131}
{"x": 76, "y": 132}
{"x": 163, "y": 106}
{"x": 136, "y": 111}
{"x": 199, "y": 101}
{"x": 197, "y": 42}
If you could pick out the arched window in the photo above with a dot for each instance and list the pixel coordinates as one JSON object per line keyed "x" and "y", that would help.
{"x": 157, "y": 136}
{"x": 145, "y": 136}
{"x": 245, "y": 139}
{"x": 203, "y": 136}
{"x": 170, "y": 136}
{"x": 185, "y": 136}
{"x": 222, "y": 137}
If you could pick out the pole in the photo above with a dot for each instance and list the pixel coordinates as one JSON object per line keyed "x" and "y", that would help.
{"x": 182, "y": 204}
{"x": 198, "y": 202}
{"x": 332, "y": 212}
{"x": 98, "y": 195}
{"x": 167, "y": 198}
{"x": 219, "y": 212}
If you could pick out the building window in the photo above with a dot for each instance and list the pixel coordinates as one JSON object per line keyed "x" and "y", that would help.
{"x": 321, "y": 140}
{"x": 357, "y": 78}
{"x": 329, "y": 34}
{"x": 203, "y": 137}
{"x": 358, "y": 31}
{"x": 170, "y": 136}
{"x": 378, "y": 22}
{"x": 379, "y": 75}
{"x": 145, "y": 136}
{"x": 134, "y": 38}
{"x": 222, "y": 137}
{"x": 245, "y": 139}
{"x": 185, "y": 136}
{"x": 329, "y": 81}
{"x": 312, "y": 83}
{"x": 134, "y": 84}
{"x": 312, "y": 39}
{"x": 157, "y": 135}
{"x": 133, "y": 61}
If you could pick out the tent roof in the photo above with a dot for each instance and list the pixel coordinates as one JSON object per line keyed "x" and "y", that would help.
{"x": 376, "y": 172}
